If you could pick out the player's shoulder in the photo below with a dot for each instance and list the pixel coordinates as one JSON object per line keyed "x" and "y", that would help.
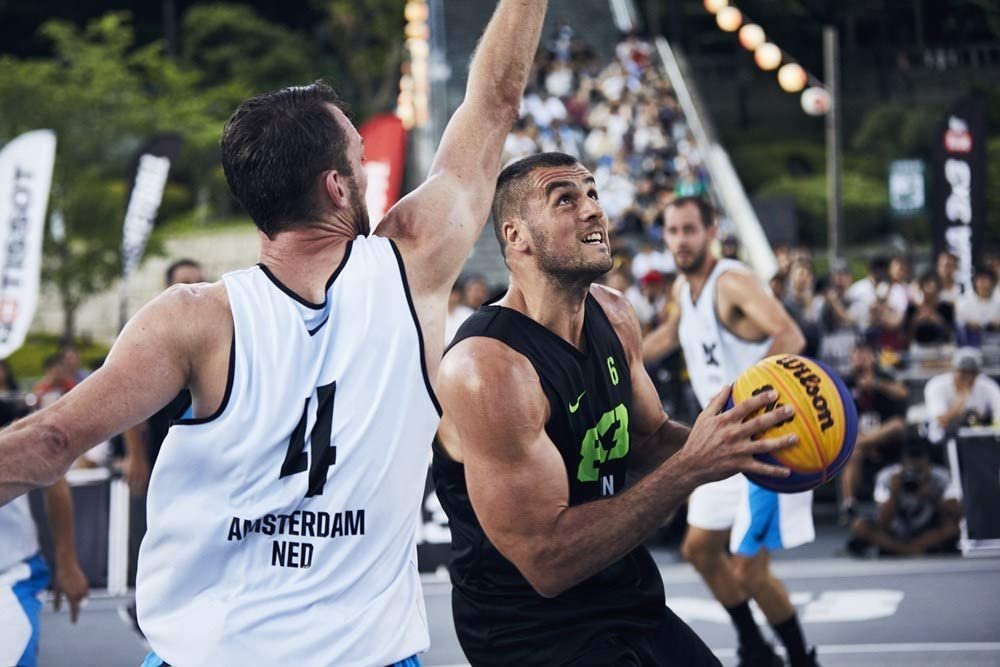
{"x": 207, "y": 298}
{"x": 621, "y": 315}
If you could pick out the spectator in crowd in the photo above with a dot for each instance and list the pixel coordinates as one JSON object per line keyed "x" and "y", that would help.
{"x": 901, "y": 281}
{"x": 802, "y": 303}
{"x": 458, "y": 312}
{"x": 865, "y": 294}
{"x": 71, "y": 363}
{"x": 649, "y": 297}
{"x": 979, "y": 311}
{"x": 918, "y": 510}
{"x": 475, "y": 291}
{"x": 881, "y": 403}
{"x": 55, "y": 382}
{"x": 12, "y": 405}
{"x": 885, "y": 324}
{"x": 730, "y": 247}
{"x": 946, "y": 267}
{"x": 962, "y": 397}
{"x": 650, "y": 258}
{"x": 778, "y": 283}
{"x": 932, "y": 321}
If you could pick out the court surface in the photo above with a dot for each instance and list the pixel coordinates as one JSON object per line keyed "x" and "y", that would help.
{"x": 937, "y": 611}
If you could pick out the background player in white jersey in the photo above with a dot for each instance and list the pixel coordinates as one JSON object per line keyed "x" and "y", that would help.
{"x": 728, "y": 321}
{"x": 24, "y": 576}
{"x": 282, "y": 517}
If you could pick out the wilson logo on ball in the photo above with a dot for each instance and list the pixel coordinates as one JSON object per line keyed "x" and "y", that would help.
{"x": 811, "y": 382}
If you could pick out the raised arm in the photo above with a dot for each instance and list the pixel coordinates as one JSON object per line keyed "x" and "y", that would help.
{"x": 148, "y": 365}
{"x": 436, "y": 225}
{"x": 517, "y": 479}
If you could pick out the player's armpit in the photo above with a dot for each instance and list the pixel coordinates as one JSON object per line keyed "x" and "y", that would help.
{"x": 148, "y": 366}
{"x": 743, "y": 290}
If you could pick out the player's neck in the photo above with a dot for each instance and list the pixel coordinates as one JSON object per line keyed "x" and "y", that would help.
{"x": 303, "y": 258}
{"x": 697, "y": 278}
{"x": 556, "y": 307}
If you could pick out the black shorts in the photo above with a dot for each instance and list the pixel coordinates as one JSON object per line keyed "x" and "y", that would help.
{"x": 671, "y": 644}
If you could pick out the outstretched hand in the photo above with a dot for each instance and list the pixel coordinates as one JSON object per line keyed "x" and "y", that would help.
{"x": 720, "y": 443}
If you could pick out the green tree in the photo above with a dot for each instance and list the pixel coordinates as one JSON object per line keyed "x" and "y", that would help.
{"x": 366, "y": 39}
{"x": 103, "y": 99}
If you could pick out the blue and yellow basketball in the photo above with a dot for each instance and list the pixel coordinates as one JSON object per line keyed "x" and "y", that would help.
{"x": 825, "y": 419}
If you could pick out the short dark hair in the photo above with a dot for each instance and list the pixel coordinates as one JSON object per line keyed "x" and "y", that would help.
{"x": 983, "y": 271}
{"x": 274, "y": 148}
{"x": 706, "y": 212}
{"x": 929, "y": 276}
{"x": 52, "y": 361}
{"x": 179, "y": 264}
{"x": 510, "y": 196}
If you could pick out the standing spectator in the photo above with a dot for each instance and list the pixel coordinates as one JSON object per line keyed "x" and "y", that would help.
{"x": 475, "y": 291}
{"x": 650, "y": 258}
{"x": 918, "y": 509}
{"x": 54, "y": 383}
{"x": 458, "y": 312}
{"x": 648, "y": 298}
{"x": 71, "y": 363}
{"x": 932, "y": 322}
{"x": 946, "y": 267}
{"x": 802, "y": 303}
{"x": 835, "y": 321}
{"x": 979, "y": 311}
{"x": 964, "y": 396}
{"x": 881, "y": 404}
{"x": 864, "y": 294}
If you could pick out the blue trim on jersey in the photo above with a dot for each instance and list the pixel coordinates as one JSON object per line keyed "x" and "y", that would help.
{"x": 764, "y": 531}
{"x": 152, "y": 660}
{"x": 26, "y": 591}
{"x": 412, "y": 661}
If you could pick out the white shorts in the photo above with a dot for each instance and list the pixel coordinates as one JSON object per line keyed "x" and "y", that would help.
{"x": 758, "y": 518}
{"x": 21, "y": 587}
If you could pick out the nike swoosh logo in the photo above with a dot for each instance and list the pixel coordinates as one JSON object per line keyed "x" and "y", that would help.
{"x": 573, "y": 407}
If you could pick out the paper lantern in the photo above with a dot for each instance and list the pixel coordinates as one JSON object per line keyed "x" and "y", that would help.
{"x": 713, "y": 6}
{"x": 729, "y": 19}
{"x": 792, "y": 78}
{"x": 815, "y": 101}
{"x": 752, "y": 36}
{"x": 767, "y": 56}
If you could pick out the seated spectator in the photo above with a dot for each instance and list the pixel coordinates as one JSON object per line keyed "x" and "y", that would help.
{"x": 946, "y": 267}
{"x": 881, "y": 404}
{"x": 731, "y": 247}
{"x": 962, "y": 397}
{"x": 650, "y": 258}
{"x": 918, "y": 509}
{"x": 885, "y": 322}
{"x": 932, "y": 322}
{"x": 648, "y": 297}
{"x": 835, "y": 321}
{"x": 865, "y": 293}
{"x": 55, "y": 382}
{"x": 903, "y": 288}
{"x": 979, "y": 311}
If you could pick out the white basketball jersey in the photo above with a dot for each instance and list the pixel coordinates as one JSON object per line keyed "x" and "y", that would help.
{"x": 18, "y": 534}
{"x": 713, "y": 354}
{"x": 282, "y": 528}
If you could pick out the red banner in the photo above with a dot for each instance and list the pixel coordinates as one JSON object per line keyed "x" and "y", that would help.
{"x": 385, "y": 158}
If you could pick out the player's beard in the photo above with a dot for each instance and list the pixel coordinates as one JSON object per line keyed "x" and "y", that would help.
{"x": 359, "y": 210}
{"x": 570, "y": 270}
{"x": 697, "y": 261}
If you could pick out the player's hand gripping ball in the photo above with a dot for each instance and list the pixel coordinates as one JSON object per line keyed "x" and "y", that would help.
{"x": 825, "y": 419}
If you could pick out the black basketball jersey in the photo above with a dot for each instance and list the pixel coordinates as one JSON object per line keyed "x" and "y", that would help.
{"x": 499, "y": 617}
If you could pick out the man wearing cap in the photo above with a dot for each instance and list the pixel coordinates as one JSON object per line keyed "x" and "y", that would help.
{"x": 964, "y": 396}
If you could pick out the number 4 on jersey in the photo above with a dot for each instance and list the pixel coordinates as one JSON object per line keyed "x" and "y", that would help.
{"x": 324, "y": 454}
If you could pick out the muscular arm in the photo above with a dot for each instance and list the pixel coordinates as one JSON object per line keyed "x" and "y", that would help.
{"x": 739, "y": 289}
{"x": 148, "y": 365}
{"x": 517, "y": 483}
{"x": 436, "y": 225}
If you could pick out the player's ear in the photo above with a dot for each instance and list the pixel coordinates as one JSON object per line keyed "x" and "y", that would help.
{"x": 515, "y": 234}
{"x": 335, "y": 188}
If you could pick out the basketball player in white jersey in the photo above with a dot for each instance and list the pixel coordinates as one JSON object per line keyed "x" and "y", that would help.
{"x": 727, "y": 322}
{"x": 282, "y": 516}
{"x": 24, "y": 575}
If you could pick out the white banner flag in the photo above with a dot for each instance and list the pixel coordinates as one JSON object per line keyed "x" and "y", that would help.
{"x": 25, "y": 177}
{"x": 147, "y": 193}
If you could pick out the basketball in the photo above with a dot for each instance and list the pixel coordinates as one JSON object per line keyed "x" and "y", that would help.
{"x": 825, "y": 419}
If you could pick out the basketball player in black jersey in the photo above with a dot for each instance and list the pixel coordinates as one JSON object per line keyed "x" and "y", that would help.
{"x": 547, "y": 411}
